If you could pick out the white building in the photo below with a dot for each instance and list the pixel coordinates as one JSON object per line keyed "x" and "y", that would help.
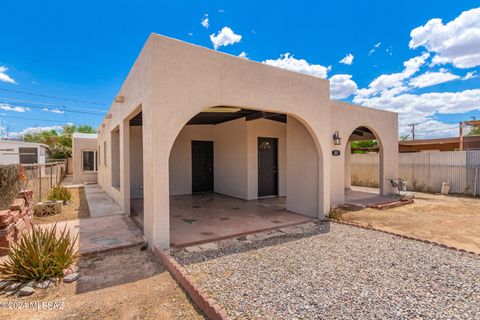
{"x": 19, "y": 152}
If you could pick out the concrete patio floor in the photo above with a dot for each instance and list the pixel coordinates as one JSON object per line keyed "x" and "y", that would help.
{"x": 202, "y": 218}
{"x": 363, "y": 197}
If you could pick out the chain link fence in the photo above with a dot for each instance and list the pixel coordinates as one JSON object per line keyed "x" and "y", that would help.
{"x": 41, "y": 177}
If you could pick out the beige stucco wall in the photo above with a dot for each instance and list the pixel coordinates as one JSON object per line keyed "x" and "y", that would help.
{"x": 181, "y": 157}
{"x": 303, "y": 174}
{"x": 230, "y": 158}
{"x": 79, "y": 145}
{"x": 172, "y": 81}
{"x": 235, "y": 156}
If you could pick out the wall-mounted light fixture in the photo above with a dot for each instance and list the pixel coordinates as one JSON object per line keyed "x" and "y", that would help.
{"x": 336, "y": 138}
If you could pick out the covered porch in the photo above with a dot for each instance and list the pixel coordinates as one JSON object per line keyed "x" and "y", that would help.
{"x": 207, "y": 217}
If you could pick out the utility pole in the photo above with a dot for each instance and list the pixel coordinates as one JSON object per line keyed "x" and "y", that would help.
{"x": 413, "y": 129}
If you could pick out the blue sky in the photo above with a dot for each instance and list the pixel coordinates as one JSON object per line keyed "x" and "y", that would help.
{"x": 418, "y": 58}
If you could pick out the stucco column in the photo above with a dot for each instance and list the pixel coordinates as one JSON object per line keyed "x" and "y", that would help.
{"x": 348, "y": 163}
{"x": 388, "y": 167}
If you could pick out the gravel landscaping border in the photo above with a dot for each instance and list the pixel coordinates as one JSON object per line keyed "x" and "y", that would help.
{"x": 348, "y": 273}
{"x": 358, "y": 225}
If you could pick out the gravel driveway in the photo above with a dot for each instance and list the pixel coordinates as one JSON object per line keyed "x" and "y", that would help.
{"x": 349, "y": 273}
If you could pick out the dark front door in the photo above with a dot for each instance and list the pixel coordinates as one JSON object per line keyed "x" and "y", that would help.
{"x": 202, "y": 166}
{"x": 267, "y": 167}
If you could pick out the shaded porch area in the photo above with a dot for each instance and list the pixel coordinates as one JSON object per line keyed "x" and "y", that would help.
{"x": 201, "y": 218}
{"x": 207, "y": 217}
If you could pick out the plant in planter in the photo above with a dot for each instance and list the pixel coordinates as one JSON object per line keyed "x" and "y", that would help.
{"x": 59, "y": 193}
{"x": 40, "y": 255}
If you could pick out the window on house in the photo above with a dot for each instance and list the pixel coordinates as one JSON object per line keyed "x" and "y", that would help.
{"x": 28, "y": 155}
{"x": 89, "y": 160}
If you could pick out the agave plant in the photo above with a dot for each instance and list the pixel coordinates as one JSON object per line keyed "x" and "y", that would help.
{"x": 59, "y": 193}
{"x": 39, "y": 255}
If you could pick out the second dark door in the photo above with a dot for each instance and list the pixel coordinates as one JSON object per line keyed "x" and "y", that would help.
{"x": 267, "y": 167}
{"x": 202, "y": 166}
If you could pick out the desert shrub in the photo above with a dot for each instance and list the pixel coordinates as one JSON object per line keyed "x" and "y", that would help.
{"x": 39, "y": 255}
{"x": 9, "y": 185}
{"x": 335, "y": 213}
{"x": 59, "y": 193}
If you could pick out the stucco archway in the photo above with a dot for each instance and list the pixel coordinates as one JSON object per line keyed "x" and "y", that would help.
{"x": 365, "y": 146}
{"x": 232, "y": 134}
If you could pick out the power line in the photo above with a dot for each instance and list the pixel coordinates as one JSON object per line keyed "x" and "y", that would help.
{"x": 51, "y": 97}
{"x": 33, "y": 119}
{"x": 62, "y": 109}
{"x": 7, "y": 100}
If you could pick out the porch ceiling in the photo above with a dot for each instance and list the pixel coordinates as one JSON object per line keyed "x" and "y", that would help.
{"x": 220, "y": 117}
{"x": 362, "y": 133}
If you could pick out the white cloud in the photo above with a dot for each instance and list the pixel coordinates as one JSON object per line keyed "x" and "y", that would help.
{"x": 414, "y": 108}
{"x": 375, "y": 47}
{"x": 205, "y": 22}
{"x": 7, "y": 107}
{"x": 53, "y": 110}
{"x": 225, "y": 37}
{"x": 31, "y": 130}
{"x": 342, "y": 86}
{"x": 221, "y": 10}
{"x": 5, "y": 77}
{"x": 432, "y": 78}
{"x": 470, "y": 75}
{"x": 287, "y": 61}
{"x": 395, "y": 80}
{"x": 457, "y": 42}
{"x": 243, "y": 54}
{"x": 348, "y": 59}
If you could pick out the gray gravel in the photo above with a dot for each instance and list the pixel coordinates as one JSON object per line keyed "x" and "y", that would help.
{"x": 348, "y": 273}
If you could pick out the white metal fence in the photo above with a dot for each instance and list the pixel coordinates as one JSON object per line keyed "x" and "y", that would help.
{"x": 424, "y": 171}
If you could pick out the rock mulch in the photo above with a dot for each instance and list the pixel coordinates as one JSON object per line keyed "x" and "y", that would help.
{"x": 348, "y": 273}
{"x": 22, "y": 289}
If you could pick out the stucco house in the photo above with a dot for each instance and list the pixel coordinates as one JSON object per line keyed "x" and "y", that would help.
{"x": 85, "y": 157}
{"x": 190, "y": 120}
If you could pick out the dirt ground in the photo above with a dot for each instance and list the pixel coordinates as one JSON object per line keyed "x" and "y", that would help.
{"x": 451, "y": 220}
{"x": 123, "y": 284}
{"x": 77, "y": 208}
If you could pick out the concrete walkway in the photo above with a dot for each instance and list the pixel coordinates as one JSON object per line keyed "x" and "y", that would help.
{"x": 99, "y": 203}
{"x": 103, "y": 233}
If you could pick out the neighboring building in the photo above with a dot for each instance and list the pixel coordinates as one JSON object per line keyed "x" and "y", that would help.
{"x": 188, "y": 119}
{"x": 85, "y": 157}
{"x": 440, "y": 144}
{"x": 19, "y": 152}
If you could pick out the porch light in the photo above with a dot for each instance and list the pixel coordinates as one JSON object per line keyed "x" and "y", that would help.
{"x": 336, "y": 138}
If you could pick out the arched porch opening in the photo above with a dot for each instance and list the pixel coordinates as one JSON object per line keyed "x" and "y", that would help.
{"x": 364, "y": 178}
{"x": 236, "y": 170}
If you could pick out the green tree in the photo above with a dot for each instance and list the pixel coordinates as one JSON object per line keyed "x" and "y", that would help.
{"x": 404, "y": 137}
{"x": 475, "y": 131}
{"x": 356, "y": 145}
{"x": 60, "y": 143}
